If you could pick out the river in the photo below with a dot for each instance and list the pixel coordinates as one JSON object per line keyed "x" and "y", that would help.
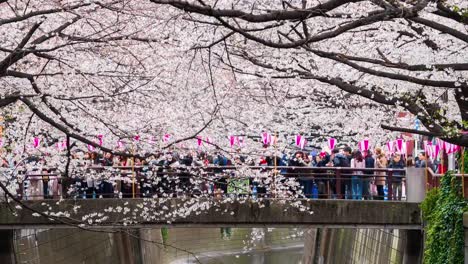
{"x": 209, "y": 246}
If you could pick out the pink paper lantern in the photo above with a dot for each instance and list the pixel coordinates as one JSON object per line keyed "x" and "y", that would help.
{"x": 91, "y": 148}
{"x": 266, "y": 138}
{"x": 390, "y": 147}
{"x": 167, "y": 137}
{"x": 364, "y": 145}
{"x": 302, "y": 143}
{"x": 440, "y": 143}
{"x": 232, "y": 140}
{"x": 298, "y": 140}
{"x": 435, "y": 151}
{"x": 331, "y": 143}
{"x": 240, "y": 141}
{"x": 399, "y": 145}
{"x": 36, "y": 142}
{"x": 100, "y": 137}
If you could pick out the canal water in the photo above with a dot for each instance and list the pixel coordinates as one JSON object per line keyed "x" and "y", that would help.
{"x": 291, "y": 255}
{"x": 209, "y": 246}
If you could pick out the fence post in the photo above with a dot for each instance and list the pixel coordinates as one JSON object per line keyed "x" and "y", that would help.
{"x": 415, "y": 188}
{"x": 390, "y": 181}
{"x": 7, "y": 250}
{"x": 338, "y": 183}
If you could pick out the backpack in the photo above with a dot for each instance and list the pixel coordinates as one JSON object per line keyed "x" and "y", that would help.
{"x": 370, "y": 162}
{"x": 222, "y": 161}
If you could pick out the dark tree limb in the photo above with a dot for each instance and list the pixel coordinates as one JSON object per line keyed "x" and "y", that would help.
{"x": 275, "y": 15}
{"x": 39, "y": 13}
{"x": 17, "y": 54}
{"x": 445, "y": 11}
{"x": 461, "y": 139}
{"x": 442, "y": 28}
{"x": 413, "y": 131}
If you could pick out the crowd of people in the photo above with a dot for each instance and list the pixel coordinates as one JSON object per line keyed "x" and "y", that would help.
{"x": 95, "y": 175}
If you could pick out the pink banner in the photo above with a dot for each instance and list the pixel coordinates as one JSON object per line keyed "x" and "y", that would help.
{"x": 91, "y": 148}
{"x": 429, "y": 151}
{"x": 303, "y": 142}
{"x": 364, "y": 145}
{"x": 63, "y": 145}
{"x": 298, "y": 140}
{"x": 447, "y": 147}
{"x": 399, "y": 145}
{"x": 167, "y": 137}
{"x": 452, "y": 148}
{"x": 100, "y": 137}
{"x": 240, "y": 141}
{"x": 391, "y": 147}
{"x": 37, "y": 142}
{"x": 237, "y": 140}
{"x": 199, "y": 141}
{"x": 273, "y": 140}
{"x": 331, "y": 143}
{"x": 266, "y": 138}
{"x": 440, "y": 143}
{"x": 232, "y": 140}
{"x": 435, "y": 151}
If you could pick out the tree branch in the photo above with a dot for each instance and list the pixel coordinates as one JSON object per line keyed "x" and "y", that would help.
{"x": 274, "y": 15}
{"x": 442, "y": 28}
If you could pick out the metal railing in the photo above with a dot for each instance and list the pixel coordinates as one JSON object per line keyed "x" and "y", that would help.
{"x": 433, "y": 181}
{"x": 255, "y": 181}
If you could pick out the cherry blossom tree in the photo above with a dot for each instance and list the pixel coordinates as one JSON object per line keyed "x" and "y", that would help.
{"x": 78, "y": 69}
{"x": 120, "y": 68}
{"x": 383, "y": 55}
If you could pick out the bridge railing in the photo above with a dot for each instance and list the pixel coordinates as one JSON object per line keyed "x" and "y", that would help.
{"x": 258, "y": 181}
{"x": 433, "y": 181}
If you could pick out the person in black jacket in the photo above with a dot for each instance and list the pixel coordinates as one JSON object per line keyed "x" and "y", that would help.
{"x": 306, "y": 183}
{"x": 397, "y": 163}
{"x": 343, "y": 161}
{"x": 106, "y": 188}
{"x": 370, "y": 164}
{"x": 184, "y": 184}
{"x": 324, "y": 185}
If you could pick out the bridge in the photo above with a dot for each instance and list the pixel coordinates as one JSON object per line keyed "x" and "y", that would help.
{"x": 212, "y": 209}
{"x": 194, "y": 205}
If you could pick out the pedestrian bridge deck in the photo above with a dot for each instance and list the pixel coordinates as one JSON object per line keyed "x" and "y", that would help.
{"x": 211, "y": 212}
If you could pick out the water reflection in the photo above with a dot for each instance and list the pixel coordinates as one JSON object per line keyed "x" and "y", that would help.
{"x": 210, "y": 246}
{"x": 274, "y": 256}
